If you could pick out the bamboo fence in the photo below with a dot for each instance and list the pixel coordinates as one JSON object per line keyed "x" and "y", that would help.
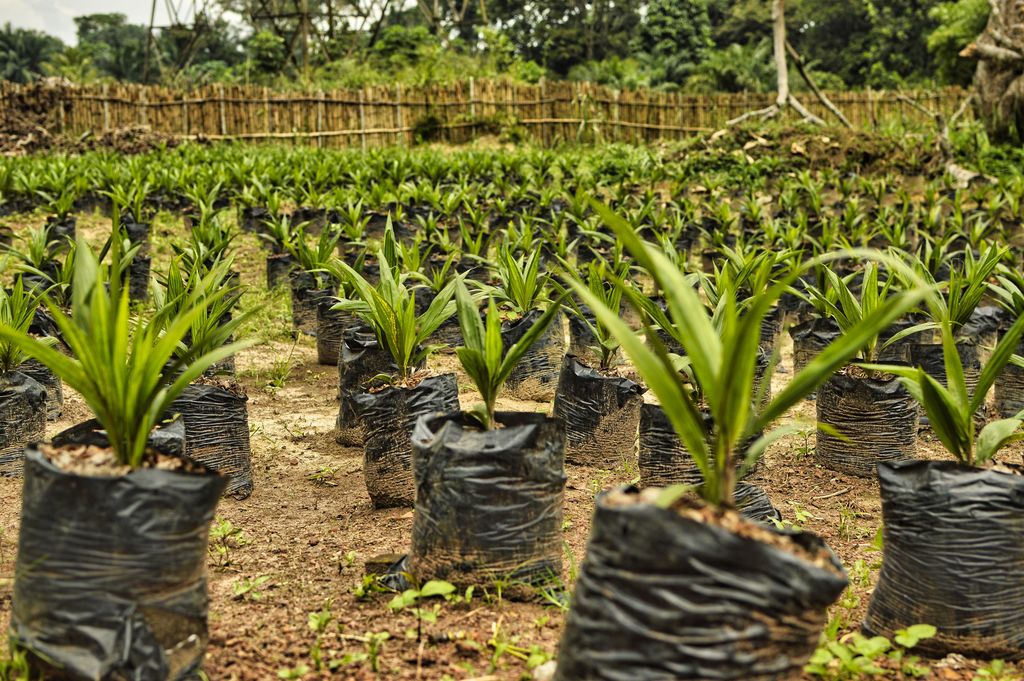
{"x": 550, "y": 112}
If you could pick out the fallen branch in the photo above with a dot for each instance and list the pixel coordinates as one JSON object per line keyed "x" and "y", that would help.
{"x": 803, "y": 111}
{"x": 834, "y": 494}
{"x": 822, "y": 97}
{"x": 765, "y": 113}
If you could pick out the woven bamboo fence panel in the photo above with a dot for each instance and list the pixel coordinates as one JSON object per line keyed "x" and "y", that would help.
{"x": 550, "y": 112}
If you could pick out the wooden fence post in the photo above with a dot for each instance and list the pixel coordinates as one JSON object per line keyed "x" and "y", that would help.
{"x": 399, "y": 115}
{"x": 617, "y": 126}
{"x": 143, "y": 114}
{"x": 223, "y": 112}
{"x": 106, "y": 107}
{"x": 266, "y": 109}
{"x": 184, "y": 113}
{"x": 362, "y": 121}
{"x": 319, "y": 118}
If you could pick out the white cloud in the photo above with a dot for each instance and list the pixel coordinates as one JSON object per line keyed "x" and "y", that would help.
{"x": 56, "y": 17}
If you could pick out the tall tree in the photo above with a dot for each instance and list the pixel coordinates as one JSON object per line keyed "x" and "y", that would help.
{"x": 999, "y": 80}
{"x": 23, "y": 53}
{"x": 117, "y": 48}
{"x": 676, "y": 35}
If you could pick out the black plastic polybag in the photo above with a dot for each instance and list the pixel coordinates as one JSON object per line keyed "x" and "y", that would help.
{"x": 754, "y": 504}
{"x": 488, "y": 502}
{"x": 331, "y": 326}
{"x": 877, "y": 416}
{"x": 662, "y": 458}
{"x": 388, "y": 418}
{"x": 22, "y": 419}
{"x": 217, "y": 433}
{"x": 251, "y": 218}
{"x": 279, "y": 268}
{"x": 810, "y": 338}
{"x": 45, "y": 377}
{"x": 138, "y": 277}
{"x": 535, "y": 376}
{"x": 306, "y": 297}
{"x": 361, "y": 359}
{"x": 111, "y": 572}
{"x": 1009, "y": 389}
{"x": 953, "y": 558}
{"x": 662, "y": 596}
{"x": 601, "y": 415}
{"x": 931, "y": 358}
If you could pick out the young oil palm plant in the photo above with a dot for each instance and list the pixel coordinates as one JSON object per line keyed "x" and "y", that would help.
{"x": 388, "y": 414}
{"x": 722, "y": 353}
{"x": 22, "y": 399}
{"x": 513, "y": 460}
{"x": 598, "y": 277}
{"x": 112, "y": 486}
{"x": 484, "y": 357}
{"x": 864, "y": 417}
{"x": 389, "y": 308}
{"x": 660, "y": 538}
{"x": 117, "y": 360}
{"x": 599, "y": 406}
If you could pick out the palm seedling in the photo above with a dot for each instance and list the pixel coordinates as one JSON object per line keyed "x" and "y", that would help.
{"x": 211, "y": 291}
{"x": 722, "y": 361}
{"x": 389, "y": 308}
{"x": 602, "y": 280}
{"x": 839, "y": 300}
{"x": 483, "y": 355}
{"x": 314, "y": 258}
{"x": 117, "y": 361}
{"x": 523, "y": 287}
{"x": 17, "y": 310}
{"x": 951, "y": 407}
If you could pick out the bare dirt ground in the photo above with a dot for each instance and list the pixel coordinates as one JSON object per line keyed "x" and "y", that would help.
{"x": 308, "y": 530}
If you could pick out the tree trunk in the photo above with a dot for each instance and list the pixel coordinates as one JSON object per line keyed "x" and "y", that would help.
{"x": 779, "y": 49}
{"x": 999, "y": 80}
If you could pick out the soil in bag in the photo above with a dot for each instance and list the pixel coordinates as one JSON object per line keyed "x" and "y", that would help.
{"x": 488, "y": 502}
{"x": 388, "y": 417}
{"x": 535, "y": 376}
{"x": 601, "y": 415}
{"x": 877, "y": 417}
{"x": 113, "y": 595}
{"x": 953, "y": 558}
{"x": 22, "y": 419}
{"x": 694, "y": 593}
{"x": 361, "y": 360}
{"x": 217, "y": 431}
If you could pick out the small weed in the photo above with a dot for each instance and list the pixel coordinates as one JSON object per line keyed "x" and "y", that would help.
{"x": 856, "y": 656}
{"x": 250, "y": 589}
{"x": 224, "y": 538}
{"x": 324, "y": 477}
{"x": 411, "y": 599}
{"x": 996, "y": 670}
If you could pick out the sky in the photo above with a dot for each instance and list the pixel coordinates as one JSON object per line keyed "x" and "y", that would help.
{"x": 56, "y": 17}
